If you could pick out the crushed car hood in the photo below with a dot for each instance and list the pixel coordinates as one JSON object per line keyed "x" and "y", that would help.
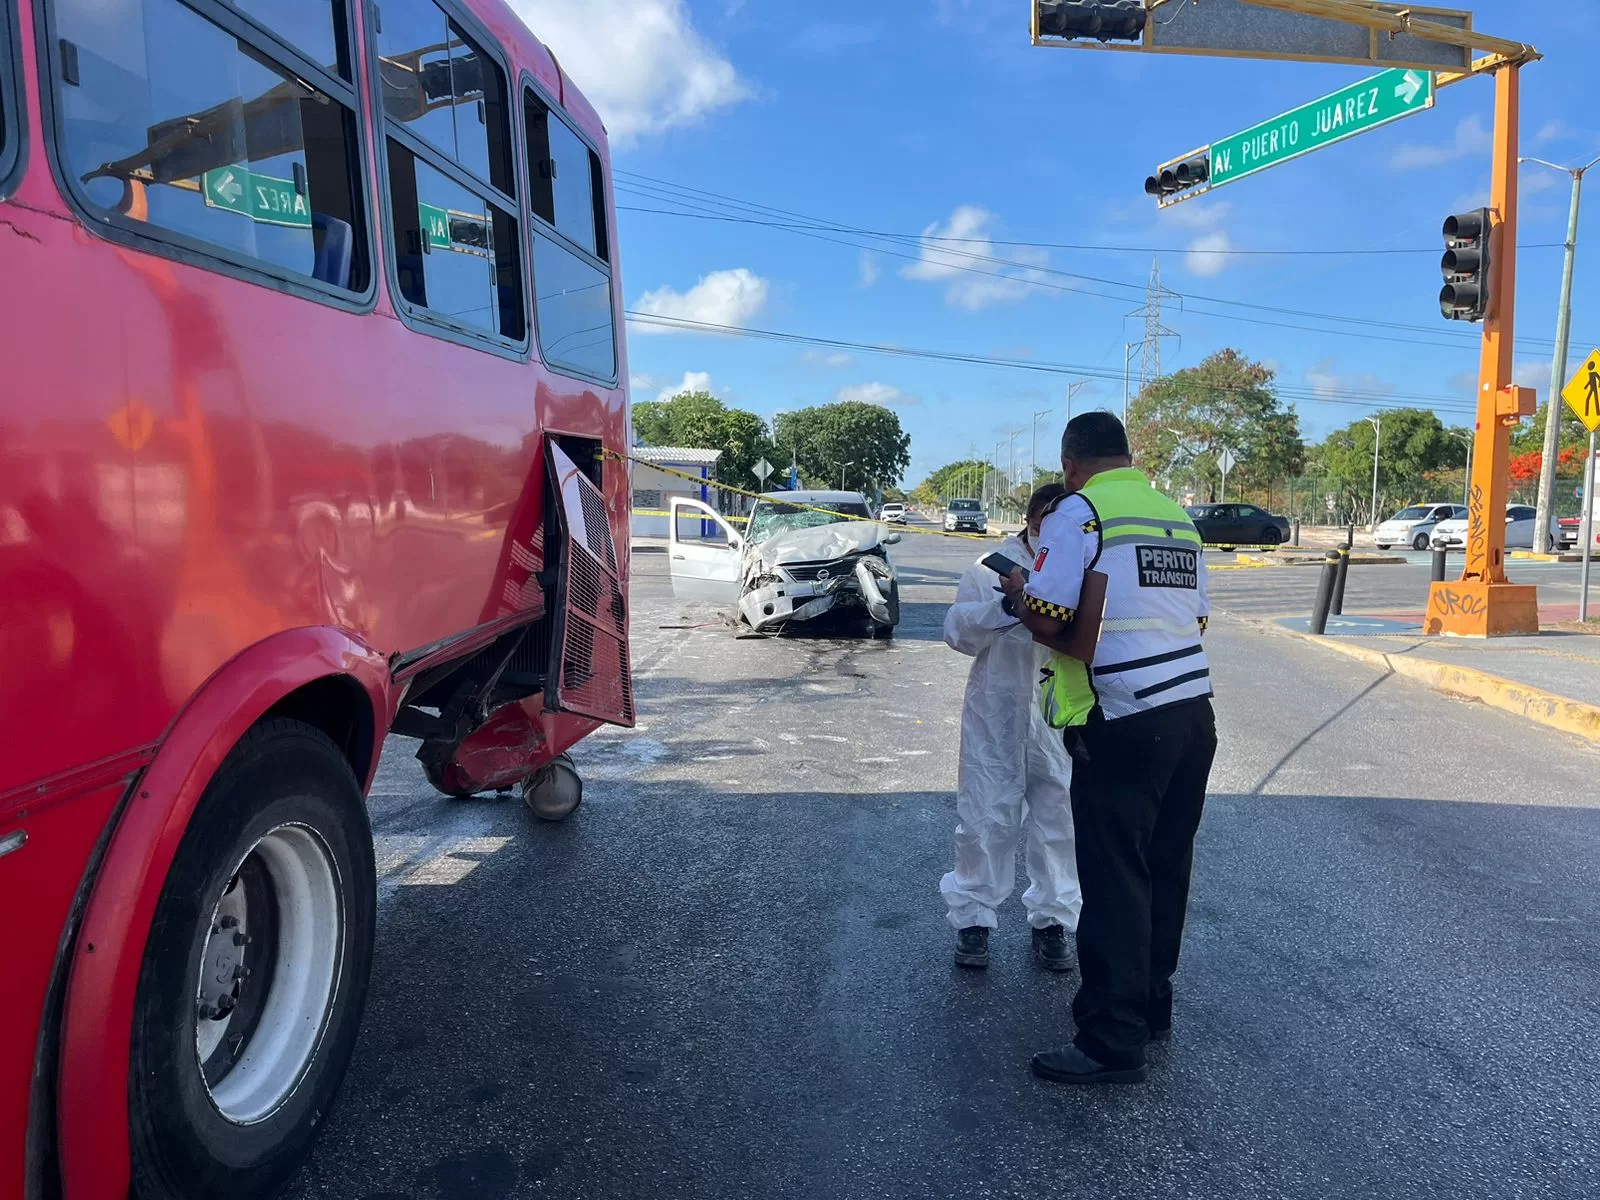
{"x": 825, "y": 543}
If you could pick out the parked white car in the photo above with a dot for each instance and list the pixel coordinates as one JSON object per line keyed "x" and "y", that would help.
{"x": 1413, "y": 527}
{"x": 893, "y": 513}
{"x": 802, "y": 554}
{"x": 1452, "y": 534}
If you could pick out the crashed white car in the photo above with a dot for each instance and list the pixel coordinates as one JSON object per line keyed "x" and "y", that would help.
{"x": 802, "y": 554}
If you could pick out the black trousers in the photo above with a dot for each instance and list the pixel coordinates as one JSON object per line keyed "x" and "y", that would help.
{"x": 1138, "y": 789}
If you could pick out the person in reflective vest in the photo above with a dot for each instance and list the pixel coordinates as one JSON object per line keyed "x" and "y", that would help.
{"x": 1138, "y": 722}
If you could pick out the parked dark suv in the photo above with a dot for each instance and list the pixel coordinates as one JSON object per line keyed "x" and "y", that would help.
{"x": 1238, "y": 525}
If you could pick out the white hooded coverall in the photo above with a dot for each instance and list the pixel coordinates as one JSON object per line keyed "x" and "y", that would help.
{"x": 1014, "y": 769}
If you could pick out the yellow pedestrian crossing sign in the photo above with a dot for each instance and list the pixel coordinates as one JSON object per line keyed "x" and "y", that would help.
{"x": 1582, "y": 392}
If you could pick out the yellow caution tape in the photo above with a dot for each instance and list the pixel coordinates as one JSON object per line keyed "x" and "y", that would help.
{"x": 739, "y": 491}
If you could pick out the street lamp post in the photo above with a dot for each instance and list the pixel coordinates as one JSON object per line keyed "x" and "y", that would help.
{"x": 1036, "y": 416}
{"x": 1377, "y": 440}
{"x": 1558, "y": 365}
{"x": 1072, "y": 390}
{"x": 842, "y": 468}
{"x": 1127, "y": 360}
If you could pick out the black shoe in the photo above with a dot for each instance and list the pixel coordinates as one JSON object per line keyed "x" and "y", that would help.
{"x": 1051, "y": 949}
{"x": 972, "y": 946}
{"x": 1071, "y": 1065}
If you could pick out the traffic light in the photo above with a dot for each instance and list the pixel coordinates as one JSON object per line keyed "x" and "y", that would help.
{"x": 1107, "y": 21}
{"x": 1179, "y": 175}
{"x": 1465, "y": 296}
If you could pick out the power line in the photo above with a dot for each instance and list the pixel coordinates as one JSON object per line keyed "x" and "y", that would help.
{"x": 1230, "y": 252}
{"x": 1020, "y": 272}
{"x": 1349, "y": 397}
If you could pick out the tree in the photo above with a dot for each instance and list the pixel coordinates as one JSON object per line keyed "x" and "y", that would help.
{"x": 825, "y": 438}
{"x": 957, "y": 479}
{"x": 1529, "y": 435}
{"x": 1416, "y": 447}
{"x": 700, "y": 421}
{"x": 1180, "y": 424}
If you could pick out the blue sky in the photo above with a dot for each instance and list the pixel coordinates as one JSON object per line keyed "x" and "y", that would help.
{"x": 938, "y": 117}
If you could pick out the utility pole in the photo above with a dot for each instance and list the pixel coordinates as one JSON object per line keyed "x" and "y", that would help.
{"x": 1377, "y": 441}
{"x": 1466, "y": 487}
{"x": 1558, "y": 365}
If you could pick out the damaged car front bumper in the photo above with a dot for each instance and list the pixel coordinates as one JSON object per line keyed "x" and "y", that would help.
{"x": 803, "y": 593}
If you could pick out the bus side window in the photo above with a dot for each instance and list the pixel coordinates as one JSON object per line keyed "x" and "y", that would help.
{"x": 452, "y": 186}
{"x": 177, "y": 128}
{"x": 571, "y": 252}
{"x": 10, "y": 135}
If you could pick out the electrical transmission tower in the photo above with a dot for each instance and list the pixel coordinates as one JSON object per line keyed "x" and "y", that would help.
{"x": 1154, "y": 330}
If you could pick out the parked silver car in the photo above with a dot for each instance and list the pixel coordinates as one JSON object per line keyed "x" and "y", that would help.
{"x": 1412, "y": 527}
{"x": 1452, "y": 534}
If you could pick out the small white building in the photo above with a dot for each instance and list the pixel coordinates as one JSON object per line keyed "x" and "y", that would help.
{"x": 654, "y": 489}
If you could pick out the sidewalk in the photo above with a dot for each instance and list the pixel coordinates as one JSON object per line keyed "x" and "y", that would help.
{"x": 1552, "y": 678}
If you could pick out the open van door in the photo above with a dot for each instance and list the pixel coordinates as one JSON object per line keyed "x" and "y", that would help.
{"x": 706, "y": 571}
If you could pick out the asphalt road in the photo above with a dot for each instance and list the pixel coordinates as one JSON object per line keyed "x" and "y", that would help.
{"x": 728, "y": 975}
{"x": 1386, "y": 587}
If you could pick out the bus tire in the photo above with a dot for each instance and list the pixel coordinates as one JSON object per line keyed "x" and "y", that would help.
{"x": 255, "y": 972}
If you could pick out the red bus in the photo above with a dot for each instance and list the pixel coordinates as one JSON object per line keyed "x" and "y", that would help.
{"x": 311, "y": 364}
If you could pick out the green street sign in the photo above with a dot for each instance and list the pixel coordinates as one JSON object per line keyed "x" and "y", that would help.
{"x": 262, "y": 198}
{"x": 436, "y": 223}
{"x": 1385, "y": 97}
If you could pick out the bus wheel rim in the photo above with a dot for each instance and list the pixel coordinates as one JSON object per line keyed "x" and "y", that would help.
{"x": 269, "y": 974}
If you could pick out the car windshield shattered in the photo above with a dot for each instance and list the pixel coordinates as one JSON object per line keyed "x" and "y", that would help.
{"x": 769, "y": 520}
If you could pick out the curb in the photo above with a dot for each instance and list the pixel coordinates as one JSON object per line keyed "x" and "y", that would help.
{"x": 1575, "y": 717}
{"x": 1316, "y": 559}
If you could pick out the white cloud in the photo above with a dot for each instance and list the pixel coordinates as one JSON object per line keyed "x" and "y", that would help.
{"x": 1208, "y": 254}
{"x": 959, "y": 252}
{"x": 1552, "y": 131}
{"x": 834, "y": 37}
{"x": 1196, "y": 213}
{"x": 720, "y": 298}
{"x": 1471, "y": 138}
{"x": 836, "y": 359}
{"x": 1531, "y": 373}
{"x": 1326, "y": 382}
{"x": 640, "y": 383}
{"x": 868, "y": 268}
{"x": 1531, "y": 183}
{"x": 882, "y": 394}
{"x": 641, "y": 63}
{"x": 693, "y": 381}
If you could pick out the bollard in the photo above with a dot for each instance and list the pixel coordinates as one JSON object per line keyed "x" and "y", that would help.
{"x": 1338, "y": 584}
{"x": 1350, "y": 537}
{"x": 1319, "y": 614}
{"x": 1438, "y": 566}
{"x": 1294, "y": 533}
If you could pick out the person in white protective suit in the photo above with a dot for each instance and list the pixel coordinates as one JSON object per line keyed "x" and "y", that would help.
{"x": 1015, "y": 773}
